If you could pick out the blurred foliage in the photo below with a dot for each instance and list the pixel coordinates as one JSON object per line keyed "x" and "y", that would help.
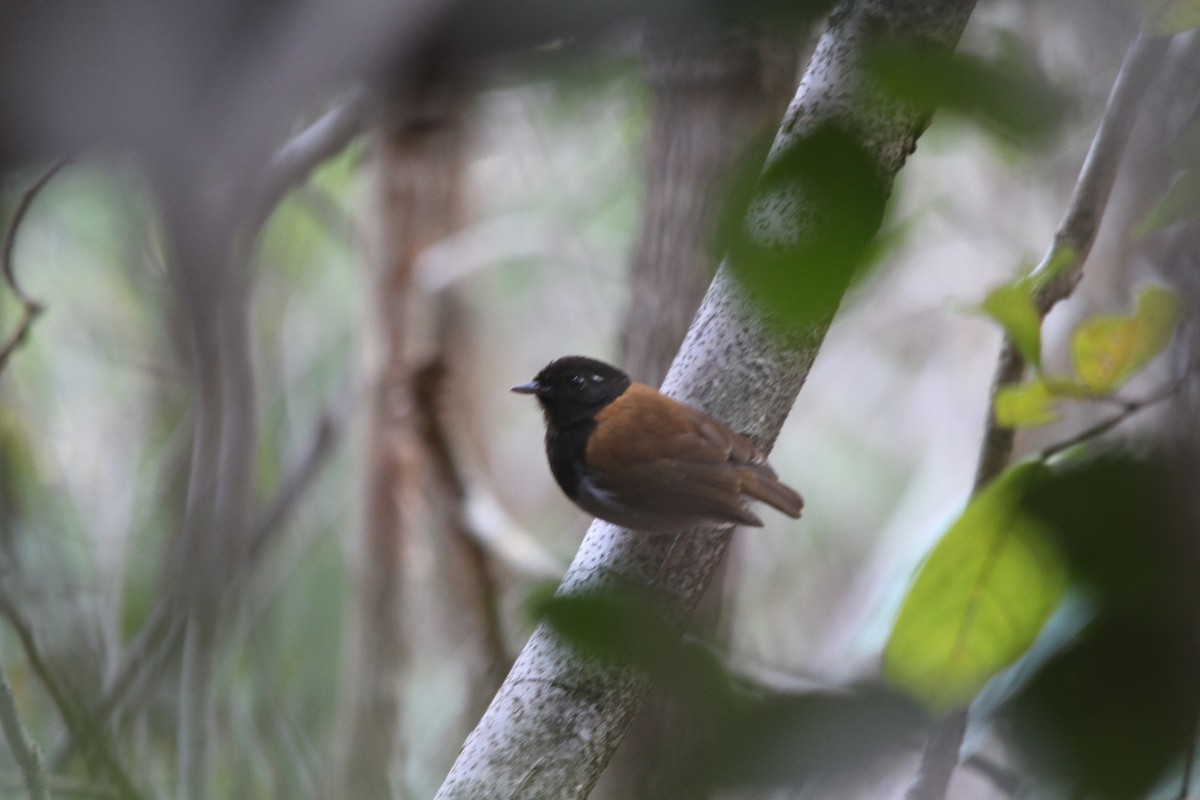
{"x": 754, "y": 736}
{"x": 1007, "y": 95}
{"x": 1166, "y": 17}
{"x": 980, "y": 599}
{"x": 95, "y": 431}
{"x": 803, "y": 278}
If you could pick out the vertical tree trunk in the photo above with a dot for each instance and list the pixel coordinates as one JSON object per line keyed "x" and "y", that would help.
{"x": 421, "y": 585}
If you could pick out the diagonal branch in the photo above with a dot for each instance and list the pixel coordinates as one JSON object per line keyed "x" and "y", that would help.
{"x": 1055, "y": 278}
{"x": 295, "y": 160}
{"x": 557, "y": 719}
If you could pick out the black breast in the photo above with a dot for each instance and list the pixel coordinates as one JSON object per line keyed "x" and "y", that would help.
{"x": 566, "y": 447}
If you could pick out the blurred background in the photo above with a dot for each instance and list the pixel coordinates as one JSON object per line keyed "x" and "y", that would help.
{"x": 269, "y": 516}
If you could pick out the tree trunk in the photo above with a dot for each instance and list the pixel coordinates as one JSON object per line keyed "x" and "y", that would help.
{"x": 423, "y": 592}
{"x": 557, "y": 719}
{"x": 416, "y": 167}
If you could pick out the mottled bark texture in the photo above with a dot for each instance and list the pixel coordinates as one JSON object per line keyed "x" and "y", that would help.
{"x": 557, "y": 719}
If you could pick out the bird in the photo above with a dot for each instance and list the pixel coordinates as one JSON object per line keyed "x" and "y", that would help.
{"x": 628, "y": 454}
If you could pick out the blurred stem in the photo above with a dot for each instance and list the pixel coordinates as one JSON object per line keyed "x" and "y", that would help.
{"x": 413, "y": 499}
{"x": 160, "y": 637}
{"x": 1055, "y": 279}
{"x": 26, "y": 752}
{"x": 1062, "y": 266}
{"x": 30, "y": 308}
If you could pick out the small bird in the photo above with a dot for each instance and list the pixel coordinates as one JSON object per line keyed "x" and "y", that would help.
{"x": 629, "y": 455}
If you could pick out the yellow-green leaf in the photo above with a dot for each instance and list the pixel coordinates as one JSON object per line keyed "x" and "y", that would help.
{"x": 1107, "y": 350}
{"x": 1168, "y": 17}
{"x": 1025, "y": 405}
{"x": 1012, "y": 306}
{"x": 980, "y": 599}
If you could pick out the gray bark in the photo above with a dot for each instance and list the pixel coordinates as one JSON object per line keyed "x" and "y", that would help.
{"x": 557, "y": 719}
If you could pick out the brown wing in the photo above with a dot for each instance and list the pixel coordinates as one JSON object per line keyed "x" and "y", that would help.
{"x": 676, "y": 460}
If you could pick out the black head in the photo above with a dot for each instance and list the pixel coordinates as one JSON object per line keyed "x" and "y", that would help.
{"x": 573, "y": 388}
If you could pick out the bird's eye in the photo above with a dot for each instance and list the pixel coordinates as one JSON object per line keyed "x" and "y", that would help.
{"x": 595, "y": 378}
{"x": 578, "y": 381}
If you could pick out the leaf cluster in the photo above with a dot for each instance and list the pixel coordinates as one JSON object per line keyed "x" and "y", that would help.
{"x": 1106, "y": 350}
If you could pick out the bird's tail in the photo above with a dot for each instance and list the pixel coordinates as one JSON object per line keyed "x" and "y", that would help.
{"x": 760, "y": 482}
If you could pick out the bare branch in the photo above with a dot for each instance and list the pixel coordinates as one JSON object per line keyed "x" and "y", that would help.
{"x": 1056, "y": 277}
{"x": 30, "y": 309}
{"x": 292, "y": 163}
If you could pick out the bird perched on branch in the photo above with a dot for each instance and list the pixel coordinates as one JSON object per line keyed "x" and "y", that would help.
{"x": 634, "y": 457}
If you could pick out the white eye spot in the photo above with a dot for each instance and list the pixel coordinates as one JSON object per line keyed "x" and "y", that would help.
{"x": 577, "y": 380}
{"x": 595, "y": 378}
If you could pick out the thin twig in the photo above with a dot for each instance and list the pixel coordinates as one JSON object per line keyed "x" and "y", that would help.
{"x": 30, "y": 308}
{"x": 68, "y": 707}
{"x": 324, "y": 442}
{"x": 1062, "y": 266}
{"x": 26, "y": 752}
{"x": 1128, "y": 409}
{"x": 33, "y": 655}
{"x": 1054, "y": 279}
{"x": 1006, "y": 780}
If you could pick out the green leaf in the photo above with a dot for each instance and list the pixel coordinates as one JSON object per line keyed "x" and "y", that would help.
{"x": 1007, "y": 95}
{"x": 980, "y": 599}
{"x": 798, "y": 268}
{"x": 1012, "y": 306}
{"x": 1181, "y": 201}
{"x": 1107, "y": 350}
{"x": 1025, "y": 405}
{"x": 1168, "y": 17}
